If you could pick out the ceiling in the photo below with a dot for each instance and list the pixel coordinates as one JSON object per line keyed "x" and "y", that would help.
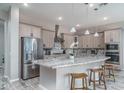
{"x": 47, "y": 14}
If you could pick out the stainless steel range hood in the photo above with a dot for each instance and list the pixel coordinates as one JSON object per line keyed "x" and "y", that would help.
{"x": 58, "y": 42}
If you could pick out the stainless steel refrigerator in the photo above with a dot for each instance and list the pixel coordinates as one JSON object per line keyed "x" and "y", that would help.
{"x": 31, "y": 49}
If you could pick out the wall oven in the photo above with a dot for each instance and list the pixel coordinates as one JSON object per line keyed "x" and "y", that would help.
{"x": 112, "y": 47}
{"x": 112, "y": 51}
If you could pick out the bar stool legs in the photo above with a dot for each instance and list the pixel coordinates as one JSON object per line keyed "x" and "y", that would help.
{"x": 101, "y": 77}
{"x": 104, "y": 80}
{"x": 81, "y": 76}
{"x": 94, "y": 82}
{"x": 113, "y": 74}
{"x": 110, "y": 70}
{"x": 72, "y": 83}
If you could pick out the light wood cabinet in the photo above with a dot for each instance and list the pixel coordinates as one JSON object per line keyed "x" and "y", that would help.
{"x": 28, "y": 30}
{"x": 80, "y": 41}
{"x": 51, "y": 39}
{"x": 24, "y": 30}
{"x": 112, "y": 36}
{"x": 86, "y": 41}
{"x": 36, "y": 31}
{"x": 89, "y": 41}
{"x": 48, "y": 38}
{"x": 116, "y": 36}
{"x": 99, "y": 41}
{"x": 68, "y": 40}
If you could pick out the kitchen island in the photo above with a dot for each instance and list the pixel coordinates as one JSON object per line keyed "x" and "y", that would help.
{"x": 54, "y": 72}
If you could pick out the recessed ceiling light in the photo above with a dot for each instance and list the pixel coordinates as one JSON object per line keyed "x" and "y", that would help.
{"x": 91, "y": 5}
{"x": 26, "y": 4}
{"x": 60, "y": 18}
{"x": 105, "y": 18}
{"x": 78, "y": 25}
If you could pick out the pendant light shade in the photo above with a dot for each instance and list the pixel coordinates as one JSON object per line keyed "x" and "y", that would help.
{"x": 96, "y": 34}
{"x": 87, "y": 32}
{"x": 73, "y": 29}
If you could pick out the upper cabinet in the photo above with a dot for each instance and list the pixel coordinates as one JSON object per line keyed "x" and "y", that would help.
{"x": 81, "y": 40}
{"x": 89, "y": 41}
{"x": 24, "y": 30}
{"x": 48, "y": 38}
{"x": 99, "y": 41}
{"x": 28, "y": 31}
{"x": 112, "y": 36}
{"x": 36, "y": 31}
{"x": 68, "y": 40}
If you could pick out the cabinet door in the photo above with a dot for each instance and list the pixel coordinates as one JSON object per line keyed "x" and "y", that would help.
{"x": 36, "y": 31}
{"x": 102, "y": 43}
{"x": 24, "y": 30}
{"x": 51, "y": 39}
{"x": 112, "y": 36}
{"x": 46, "y": 38}
{"x": 96, "y": 42}
{"x": 68, "y": 40}
{"x": 108, "y": 38}
{"x": 86, "y": 41}
{"x": 81, "y": 41}
{"x": 91, "y": 41}
{"x": 115, "y": 36}
{"x": 100, "y": 40}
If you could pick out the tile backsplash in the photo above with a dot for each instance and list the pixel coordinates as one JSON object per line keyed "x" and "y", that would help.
{"x": 87, "y": 51}
{"x": 80, "y": 51}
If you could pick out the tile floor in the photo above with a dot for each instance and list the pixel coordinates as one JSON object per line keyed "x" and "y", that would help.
{"x": 33, "y": 84}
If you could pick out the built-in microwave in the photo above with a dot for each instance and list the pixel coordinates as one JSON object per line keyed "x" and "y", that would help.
{"x": 112, "y": 46}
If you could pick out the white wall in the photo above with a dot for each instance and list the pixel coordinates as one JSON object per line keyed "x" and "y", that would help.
{"x": 12, "y": 44}
{"x": 3, "y": 15}
{"x": 1, "y": 42}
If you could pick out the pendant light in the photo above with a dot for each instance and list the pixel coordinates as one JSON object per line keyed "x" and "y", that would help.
{"x": 96, "y": 33}
{"x": 73, "y": 28}
{"x": 87, "y": 31}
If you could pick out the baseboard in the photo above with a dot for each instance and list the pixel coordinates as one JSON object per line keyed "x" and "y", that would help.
{"x": 41, "y": 86}
{"x": 13, "y": 80}
{"x": 10, "y": 81}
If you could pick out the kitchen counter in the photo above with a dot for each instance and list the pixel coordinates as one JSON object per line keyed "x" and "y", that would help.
{"x": 61, "y": 62}
{"x": 54, "y": 70}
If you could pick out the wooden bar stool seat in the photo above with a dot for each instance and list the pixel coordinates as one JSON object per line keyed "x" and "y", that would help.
{"x": 82, "y": 76}
{"x": 110, "y": 69}
{"x": 101, "y": 77}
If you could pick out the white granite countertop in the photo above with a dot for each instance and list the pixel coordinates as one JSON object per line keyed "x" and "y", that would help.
{"x": 64, "y": 61}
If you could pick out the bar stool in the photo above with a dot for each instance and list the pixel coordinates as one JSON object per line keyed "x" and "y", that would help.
{"x": 82, "y": 76}
{"x": 101, "y": 77}
{"x": 110, "y": 69}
